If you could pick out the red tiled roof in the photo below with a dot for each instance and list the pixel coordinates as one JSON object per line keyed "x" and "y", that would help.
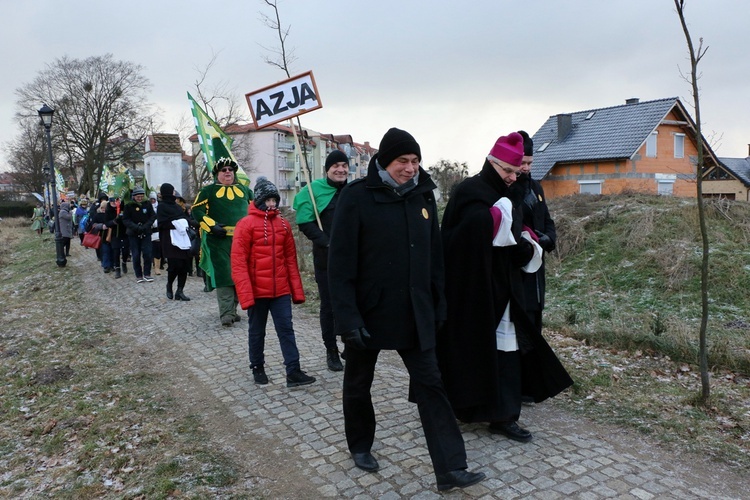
{"x": 164, "y": 143}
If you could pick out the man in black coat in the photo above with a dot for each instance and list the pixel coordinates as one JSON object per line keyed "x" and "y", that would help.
{"x": 138, "y": 217}
{"x": 315, "y": 222}
{"x": 489, "y": 340}
{"x": 386, "y": 279}
{"x": 535, "y": 216}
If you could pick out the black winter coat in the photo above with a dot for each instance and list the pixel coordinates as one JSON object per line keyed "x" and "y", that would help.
{"x": 321, "y": 239}
{"x": 536, "y": 216}
{"x": 118, "y": 228}
{"x": 480, "y": 282}
{"x": 138, "y": 218}
{"x": 167, "y": 212}
{"x": 385, "y": 263}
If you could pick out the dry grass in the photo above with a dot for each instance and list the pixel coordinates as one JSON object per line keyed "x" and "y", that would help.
{"x": 84, "y": 414}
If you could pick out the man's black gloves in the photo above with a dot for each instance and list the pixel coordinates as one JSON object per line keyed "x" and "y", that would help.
{"x": 357, "y": 338}
{"x": 545, "y": 241}
{"x": 218, "y": 231}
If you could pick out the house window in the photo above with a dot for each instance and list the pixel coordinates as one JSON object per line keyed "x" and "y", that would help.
{"x": 590, "y": 187}
{"x": 664, "y": 188}
{"x": 679, "y": 145}
{"x": 651, "y": 145}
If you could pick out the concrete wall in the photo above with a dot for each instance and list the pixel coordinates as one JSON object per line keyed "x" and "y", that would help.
{"x": 163, "y": 167}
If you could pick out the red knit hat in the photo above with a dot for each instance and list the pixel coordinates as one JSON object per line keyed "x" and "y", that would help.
{"x": 509, "y": 148}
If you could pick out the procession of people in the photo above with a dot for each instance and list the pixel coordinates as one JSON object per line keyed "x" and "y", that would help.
{"x": 459, "y": 299}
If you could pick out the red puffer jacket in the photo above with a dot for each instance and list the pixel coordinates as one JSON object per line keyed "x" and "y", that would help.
{"x": 264, "y": 258}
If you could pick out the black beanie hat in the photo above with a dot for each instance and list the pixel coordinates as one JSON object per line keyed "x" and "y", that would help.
{"x": 102, "y": 196}
{"x": 395, "y": 143}
{"x": 528, "y": 144}
{"x": 336, "y": 156}
{"x": 166, "y": 189}
{"x": 264, "y": 189}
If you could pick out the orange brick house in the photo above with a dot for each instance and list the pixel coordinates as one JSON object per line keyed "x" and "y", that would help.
{"x": 730, "y": 180}
{"x": 639, "y": 146}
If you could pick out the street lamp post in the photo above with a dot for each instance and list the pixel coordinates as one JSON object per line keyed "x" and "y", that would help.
{"x": 47, "y": 202}
{"x": 45, "y": 113}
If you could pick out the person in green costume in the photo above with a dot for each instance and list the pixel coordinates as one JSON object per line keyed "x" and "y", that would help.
{"x": 37, "y": 219}
{"x": 218, "y": 207}
{"x": 326, "y": 192}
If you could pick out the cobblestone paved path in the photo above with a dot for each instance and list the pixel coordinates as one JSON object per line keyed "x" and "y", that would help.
{"x": 568, "y": 458}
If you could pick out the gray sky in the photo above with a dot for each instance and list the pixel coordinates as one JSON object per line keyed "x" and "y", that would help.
{"x": 455, "y": 74}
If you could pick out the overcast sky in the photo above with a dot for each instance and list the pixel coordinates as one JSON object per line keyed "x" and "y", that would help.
{"x": 455, "y": 74}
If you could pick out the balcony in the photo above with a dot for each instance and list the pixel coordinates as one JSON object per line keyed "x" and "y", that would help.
{"x": 286, "y": 146}
{"x": 285, "y": 166}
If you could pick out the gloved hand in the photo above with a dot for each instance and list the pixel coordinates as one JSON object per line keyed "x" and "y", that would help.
{"x": 356, "y": 338}
{"x": 545, "y": 241}
{"x": 218, "y": 231}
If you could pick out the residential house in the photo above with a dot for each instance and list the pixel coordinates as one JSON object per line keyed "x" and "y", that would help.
{"x": 730, "y": 179}
{"x": 639, "y": 146}
{"x": 9, "y": 189}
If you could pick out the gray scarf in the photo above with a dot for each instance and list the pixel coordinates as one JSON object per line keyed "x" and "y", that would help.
{"x": 400, "y": 189}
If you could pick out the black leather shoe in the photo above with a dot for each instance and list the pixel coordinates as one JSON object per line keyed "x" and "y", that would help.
{"x": 365, "y": 461}
{"x": 460, "y": 478}
{"x": 511, "y": 430}
{"x": 333, "y": 360}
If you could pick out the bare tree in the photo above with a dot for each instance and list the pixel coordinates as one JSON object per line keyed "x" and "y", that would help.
{"x": 221, "y": 103}
{"x": 96, "y": 99}
{"x": 696, "y": 54}
{"x": 284, "y": 58}
{"x": 27, "y": 156}
{"x": 447, "y": 174}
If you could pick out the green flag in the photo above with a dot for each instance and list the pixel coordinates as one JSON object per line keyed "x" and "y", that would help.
{"x": 207, "y": 130}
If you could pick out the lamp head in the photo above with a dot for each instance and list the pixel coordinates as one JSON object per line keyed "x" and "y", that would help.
{"x": 45, "y": 113}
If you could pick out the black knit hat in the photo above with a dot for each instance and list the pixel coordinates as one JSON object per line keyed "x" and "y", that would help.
{"x": 395, "y": 143}
{"x": 102, "y": 196}
{"x": 264, "y": 189}
{"x": 166, "y": 189}
{"x": 336, "y": 156}
{"x": 528, "y": 144}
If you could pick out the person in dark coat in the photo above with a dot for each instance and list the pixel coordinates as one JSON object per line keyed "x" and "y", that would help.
{"x": 386, "y": 277}
{"x": 66, "y": 226}
{"x": 326, "y": 192}
{"x": 537, "y": 217}
{"x": 172, "y": 217}
{"x": 98, "y": 216}
{"x": 489, "y": 351}
{"x": 138, "y": 217}
{"x": 118, "y": 236}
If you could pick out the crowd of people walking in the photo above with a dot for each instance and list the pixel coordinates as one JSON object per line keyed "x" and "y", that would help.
{"x": 460, "y": 300}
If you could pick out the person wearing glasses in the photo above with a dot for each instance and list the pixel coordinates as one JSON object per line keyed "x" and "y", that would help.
{"x": 387, "y": 293}
{"x": 218, "y": 207}
{"x": 489, "y": 350}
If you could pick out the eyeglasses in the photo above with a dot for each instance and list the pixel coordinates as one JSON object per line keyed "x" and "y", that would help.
{"x": 227, "y": 169}
{"x": 507, "y": 170}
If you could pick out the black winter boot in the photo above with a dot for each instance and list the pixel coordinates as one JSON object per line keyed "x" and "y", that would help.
{"x": 117, "y": 273}
{"x": 125, "y": 267}
{"x": 332, "y": 358}
{"x": 170, "y": 295}
{"x": 180, "y": 296}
